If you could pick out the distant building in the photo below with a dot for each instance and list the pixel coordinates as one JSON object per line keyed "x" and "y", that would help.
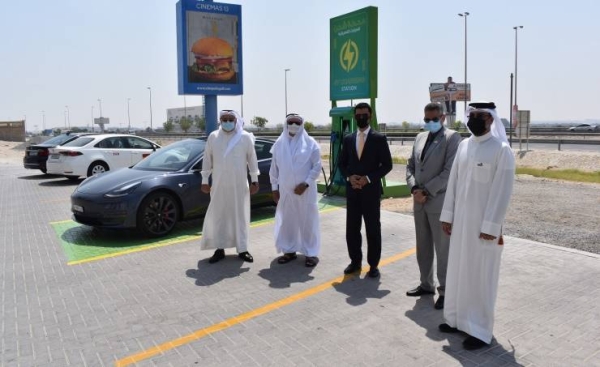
{"x": 12, "y": 130}
{"x": 191, "y": 112}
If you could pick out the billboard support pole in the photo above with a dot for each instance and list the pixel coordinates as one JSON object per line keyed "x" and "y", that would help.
{"x": 210, "y": 105}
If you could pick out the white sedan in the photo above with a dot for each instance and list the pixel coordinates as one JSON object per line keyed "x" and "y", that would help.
{"x": 94, "y": 154}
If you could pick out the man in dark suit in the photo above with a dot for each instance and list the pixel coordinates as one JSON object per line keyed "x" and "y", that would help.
{"x": 427, "y": 175}
{"x": 364, "y": 161}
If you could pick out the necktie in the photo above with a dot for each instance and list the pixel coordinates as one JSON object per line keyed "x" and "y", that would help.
{"x": 361, "y": 143}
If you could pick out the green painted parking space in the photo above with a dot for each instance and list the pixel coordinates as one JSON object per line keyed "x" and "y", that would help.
{"x": 83, "y": 244}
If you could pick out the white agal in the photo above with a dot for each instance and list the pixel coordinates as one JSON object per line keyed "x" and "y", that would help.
{"x": 94, "y": 154}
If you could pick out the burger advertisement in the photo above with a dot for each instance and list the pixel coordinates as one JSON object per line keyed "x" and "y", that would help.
{"x": 209, "y": 48}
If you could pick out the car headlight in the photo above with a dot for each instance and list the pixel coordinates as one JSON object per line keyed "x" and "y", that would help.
{"x": 124, "y": 190}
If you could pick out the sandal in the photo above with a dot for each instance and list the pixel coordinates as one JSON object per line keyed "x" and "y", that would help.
{"x": 311, "y": 261}
{"x": 286, "y": 258}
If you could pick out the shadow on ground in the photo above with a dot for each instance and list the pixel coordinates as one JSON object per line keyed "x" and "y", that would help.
{"x": 283, "y": 275}
{"x": 358, "y": 290}
{"x": 208, "y": 274}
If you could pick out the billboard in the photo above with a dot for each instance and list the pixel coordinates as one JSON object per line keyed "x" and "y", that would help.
{"x": 209, "y": 48}
{"x": 523, "y": 124}
{"x": 353, "y": 55}
{"x": 440, "y": 92}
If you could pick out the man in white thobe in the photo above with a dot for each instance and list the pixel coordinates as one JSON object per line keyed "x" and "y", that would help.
{"x": 228, "y": 157}
{"x": 295, "y": 167}
{"x": 479, "y": 190}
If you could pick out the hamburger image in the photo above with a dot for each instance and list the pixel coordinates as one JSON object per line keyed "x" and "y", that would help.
{"x": 213, "y": 59}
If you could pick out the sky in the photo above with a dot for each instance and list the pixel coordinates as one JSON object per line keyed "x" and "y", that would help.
{"x": 71, "y": 53}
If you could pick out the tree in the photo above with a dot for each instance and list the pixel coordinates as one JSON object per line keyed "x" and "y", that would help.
{"x": 308, "y": 126}
{"x": 185, "y": 124}
{"x": 169, "y": 126}
{"x": 200, "y": 122}
{"x": 457, "y": 125}
{"x": 405, "y": 125}
{"x": 259, "y": 122}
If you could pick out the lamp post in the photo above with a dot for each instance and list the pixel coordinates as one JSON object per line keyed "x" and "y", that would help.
{"x": 92, "y": 118}
{"x": 150, "y": 89}
{"x": 128, "y": 117}
{"x": 286, "y": 110}
{"x": 68, "y": 118}
{"x": 465, "y": 15}
{"x": 516, "y": 28}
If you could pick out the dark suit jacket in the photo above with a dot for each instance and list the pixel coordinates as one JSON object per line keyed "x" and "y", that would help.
{"x": 375, "y": 162}
{"x": 431, "y": 173}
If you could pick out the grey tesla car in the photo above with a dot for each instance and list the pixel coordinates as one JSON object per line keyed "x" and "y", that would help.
{"x": 159, "y": 191}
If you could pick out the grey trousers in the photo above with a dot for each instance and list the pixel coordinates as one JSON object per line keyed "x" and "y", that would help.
{"x": 430, "y": 238}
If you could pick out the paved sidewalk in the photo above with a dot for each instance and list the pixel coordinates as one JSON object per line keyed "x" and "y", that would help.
{"x": 102, "y": 312}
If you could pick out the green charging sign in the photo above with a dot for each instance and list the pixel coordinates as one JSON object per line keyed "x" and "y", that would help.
{"x": 353, "y": 55}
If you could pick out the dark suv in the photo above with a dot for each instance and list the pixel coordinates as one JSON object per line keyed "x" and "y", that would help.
{"x": 37, "y": 155}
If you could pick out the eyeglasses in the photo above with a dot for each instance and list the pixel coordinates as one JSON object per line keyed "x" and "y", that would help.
{"x": 359, "y": 116}
{"x": 226, "y": 119}
{"x": 297, "y": 122}
{"x": 437, "y": 119}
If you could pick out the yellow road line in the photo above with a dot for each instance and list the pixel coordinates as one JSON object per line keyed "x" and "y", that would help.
{"x": 199, "y": 334}
{"x": 131, "y": 251}
{"x": 61, "y": 222}
{"x": 174, "y": 242}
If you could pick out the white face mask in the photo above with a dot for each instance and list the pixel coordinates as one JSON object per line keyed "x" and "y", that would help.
{"x": 228, "y": 125}
{"x": 293, "y": 129}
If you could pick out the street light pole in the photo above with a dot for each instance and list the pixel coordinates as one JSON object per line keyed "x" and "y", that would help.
{"x": 68, "y": 118}
{"x": 150, "y": 89}
{"x": 516, "y": 43}
{"x": 286, "y": 110}
{"x": 128, "y": 117}
{"x": 92, "y": 118}
{"x": 465, "y": 15}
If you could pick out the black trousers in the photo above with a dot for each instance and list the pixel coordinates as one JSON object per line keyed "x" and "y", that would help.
{"x": 365, "y": 206}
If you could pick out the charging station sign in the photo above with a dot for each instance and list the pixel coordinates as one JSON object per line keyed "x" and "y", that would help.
{"x": 353, "y": 55}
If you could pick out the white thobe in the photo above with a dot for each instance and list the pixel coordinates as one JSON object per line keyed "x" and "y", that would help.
{"x": 479, "y": 190}
{"x": 296, "y": 161}
{"x": 227, "y": 219}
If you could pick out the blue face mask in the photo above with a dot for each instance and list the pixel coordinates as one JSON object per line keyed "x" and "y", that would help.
{"x": 433, "y": 126}
{"x": 228, "y": 125}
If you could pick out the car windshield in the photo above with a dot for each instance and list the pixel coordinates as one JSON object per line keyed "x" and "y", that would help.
{"x": 58, "y": 140}
{"x": 79, "y": 142}
{"x": 173, "y": 157}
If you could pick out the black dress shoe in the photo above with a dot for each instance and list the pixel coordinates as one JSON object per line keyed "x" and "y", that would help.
{"x": 373, "y": 273}
{"x": 439, "y": 304}
{"x": 217, "y": 256}
{"x": 445, "y": 328}
{"x": 472, "y": 343}
{"x": 352, "y": 268}
{"x": 419, "y": 291}
{"x": 246, "y": 256}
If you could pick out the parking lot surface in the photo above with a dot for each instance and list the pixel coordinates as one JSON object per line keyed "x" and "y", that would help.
{"x": 72, "y": 296}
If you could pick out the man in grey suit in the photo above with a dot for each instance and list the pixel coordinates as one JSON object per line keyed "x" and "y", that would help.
{"x": 427, "y": 175}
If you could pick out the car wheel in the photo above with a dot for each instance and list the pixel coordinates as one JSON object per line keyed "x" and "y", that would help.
{"x": 44, "y": 170}
{"x": 97, "y": 168}
{"x": 158, "y": 214}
